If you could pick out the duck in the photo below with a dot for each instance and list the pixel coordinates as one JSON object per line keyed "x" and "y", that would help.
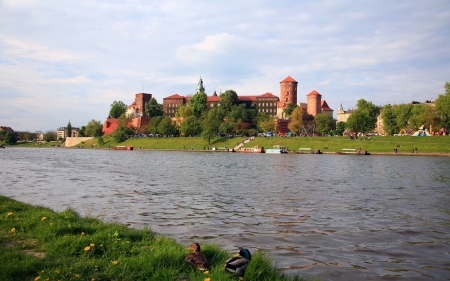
{"x": 196, "y": 259}
{"x": 238, "y": 263}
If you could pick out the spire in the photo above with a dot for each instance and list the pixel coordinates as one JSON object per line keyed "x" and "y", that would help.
{"x": 200, "y": 88}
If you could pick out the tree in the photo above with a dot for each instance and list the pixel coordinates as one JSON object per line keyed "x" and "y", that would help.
{"x": 443, "y": 107}
{"x": 81, "y": 131}
{"x": 228, "y": 99}
{"x": 289, "y": 110}
{"x": 198, "y": 104}
{"x": 121, "y": 134}
{"x": 117, "y": 109}
{"x": 50, "y": 136}
{"x": 94, "y": 129}
{"x": 296, "y": 124}
{"x": 211, "y": 124}
{"x": 166, "y": 127}
{"x": 324, "y": 123}
{"x": 191, "y": 126}
{"x": 390, "y": 126}
{"x": 154, "y": 124}
{"x": 153, "y": 108}
{"x": 101, "y": 141}
{"x": 364, "y": 119}
{"x": 10, "y": 138}
{"x": 69, "y": 130}
{"x": 183, "y": 111}
{"x": 265, "y": 122}
{"x": 340, "y": 128}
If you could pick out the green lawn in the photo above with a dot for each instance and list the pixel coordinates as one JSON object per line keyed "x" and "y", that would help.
{"x": 39, "y": 244}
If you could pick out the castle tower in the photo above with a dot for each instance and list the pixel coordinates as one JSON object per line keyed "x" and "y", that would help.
{"x": 200, "y": 88}
{"x": 314, "y": 100}
{"x": 288, "y": 94}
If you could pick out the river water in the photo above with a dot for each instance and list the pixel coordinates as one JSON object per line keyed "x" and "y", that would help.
{"x": 333, "y": 216}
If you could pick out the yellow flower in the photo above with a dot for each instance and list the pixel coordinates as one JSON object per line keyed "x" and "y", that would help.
{"x": 10, "y": 214}
{"x": 43, "y": 218}
{"x": 37, "y": 278}
{"x": 82, "y": 233}
{"x": 51, "y": 224}
{"x": 93, "y": 279}
{"x": 13, "y": 230}
{"x": 87, "y": 248}
{"x": 207, "y": 279}
{"x": 92, "y": 245}
{"x": 56, "y": 270}
{"x": 115, "y": 262}
{"x": 77, "y": 275}
{"x": 241, "y": 278}
{"x": 206, "y": 272}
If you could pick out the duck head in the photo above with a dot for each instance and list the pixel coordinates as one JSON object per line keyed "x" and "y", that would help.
{"x": 194, "y": 247}
{"x": 245, "y": 253}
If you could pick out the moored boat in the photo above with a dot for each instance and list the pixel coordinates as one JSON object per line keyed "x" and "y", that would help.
{"x": 277, "y": 149}
{"x": 254, "y": 149}
{"x": 123, "y": 147}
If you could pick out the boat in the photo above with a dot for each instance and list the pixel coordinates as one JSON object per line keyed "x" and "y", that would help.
{"x": 352, "y": 151}
{"x": 2, "y": 146}
{"x": 254, "y": 149}
{"x": 277, "y": 149}
{"x": 123, "y": 147}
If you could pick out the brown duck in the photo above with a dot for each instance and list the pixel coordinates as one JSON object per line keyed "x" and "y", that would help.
{"x": 196, "y": 259}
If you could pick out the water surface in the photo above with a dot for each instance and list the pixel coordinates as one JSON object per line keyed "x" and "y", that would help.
{"x": 338, "y": 217}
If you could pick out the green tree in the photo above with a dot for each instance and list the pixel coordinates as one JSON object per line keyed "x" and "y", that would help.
{"x": 101, "y": 141}
{"x": 154, "y": 124}
{"x": 265, "y": 122}
{"x": 403, "y": 113}
{"x": 117, "y": 108}
{"x": 153, "y": 108}
{"x": 289, "y": 110}
{"x": 81, "y": 131}
{"x": 166, "y": 127}
{"x": 191, "y": 126}
{"x": 325, "y": 123}
{"x": 390, "y": 126}
{"x": 10, "y": 138}
{"x": 211, "y": 124}
{"x": 121, "y": 134}
{"x": 340, "y": 128}
{"x": 228, "y": 99}
{"x": 50, "y": 136}
{"x": 184, "y": 111}
{"x": 69, "y": 130}
{"x": 94, "y": 129}
{"x": 198, "y": 104}
{"x": 443, "y": 107}
{"x": 296, "y": 123}
{"x": 364, "y": 119}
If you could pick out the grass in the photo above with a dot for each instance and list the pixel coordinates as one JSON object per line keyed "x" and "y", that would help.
{"x": 376, "y": 144}
{"x": 39, "y": 244}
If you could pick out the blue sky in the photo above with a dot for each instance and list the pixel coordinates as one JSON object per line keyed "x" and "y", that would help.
{"x": 62, "y": 60}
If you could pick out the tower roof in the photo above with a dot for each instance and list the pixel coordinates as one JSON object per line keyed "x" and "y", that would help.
{"x": 288, "y": 79}
{"x": 314, "y": 93}
{"x": 325, "y": 106}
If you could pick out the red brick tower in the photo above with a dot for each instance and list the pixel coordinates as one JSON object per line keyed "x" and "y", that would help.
{"x": 314, "y": 100}
{"x": 288, "y": 94}
{"x": 140, "y": 100}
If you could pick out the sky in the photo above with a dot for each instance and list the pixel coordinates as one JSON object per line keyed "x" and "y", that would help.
{"x": 70, "y": 60}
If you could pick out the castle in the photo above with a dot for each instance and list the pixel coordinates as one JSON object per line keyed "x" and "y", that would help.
{"x": 267, "y": 102}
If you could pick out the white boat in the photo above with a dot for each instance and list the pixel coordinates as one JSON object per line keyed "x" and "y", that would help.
{"x": 277, "y": 149}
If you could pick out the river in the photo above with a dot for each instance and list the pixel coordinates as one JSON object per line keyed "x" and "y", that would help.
{"x": 333, "y": 216}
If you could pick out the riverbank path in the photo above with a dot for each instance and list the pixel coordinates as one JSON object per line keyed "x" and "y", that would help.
{"x": 237, "y": 147}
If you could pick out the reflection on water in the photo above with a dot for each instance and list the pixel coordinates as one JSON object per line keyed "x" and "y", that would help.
{"x": 338, "y": 217}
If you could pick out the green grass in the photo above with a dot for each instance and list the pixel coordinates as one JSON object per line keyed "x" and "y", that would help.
{"x": 39, "y": 244}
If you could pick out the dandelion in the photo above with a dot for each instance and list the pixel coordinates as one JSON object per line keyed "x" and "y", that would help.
{"x": 77, "y": 275}
{"x": 115, "y": 262}
{"x": 13, "y": 230}
{"x": 57, "y": 271}
{"x": 207, "y": 279}
{"x": 206, "y": 272}
{"x": 87, "y": 248}
{"x": 43, "y": 218}
{"x": 92, "y": 245}
{"x": 51, "y": 224}
{"x": 37, "y": 278}
{"x": 82, "y": 233}
{"x": 10, "y": 214}
{"x": 93, "y": 279}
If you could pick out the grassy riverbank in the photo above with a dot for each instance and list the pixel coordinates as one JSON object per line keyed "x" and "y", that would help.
{"x": 39, "y": 244}
{"x": 376, "y": 144}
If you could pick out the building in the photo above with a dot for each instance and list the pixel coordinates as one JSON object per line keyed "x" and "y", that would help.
{"x": 343, "y": 115}
{"x": 136, "y": 113}
{"x": 61, "y": 132}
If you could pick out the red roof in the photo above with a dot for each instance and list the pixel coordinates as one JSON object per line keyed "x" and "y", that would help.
{"x": 288, "y": 79}
{"x": 325, "y": 106}
{"x": 175, "y": 96}
{"x": 213, "y": 98}
{"x": 267, "y": 95}
{"x": 314, "y": 93}
{"x": 247, "y": 98}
